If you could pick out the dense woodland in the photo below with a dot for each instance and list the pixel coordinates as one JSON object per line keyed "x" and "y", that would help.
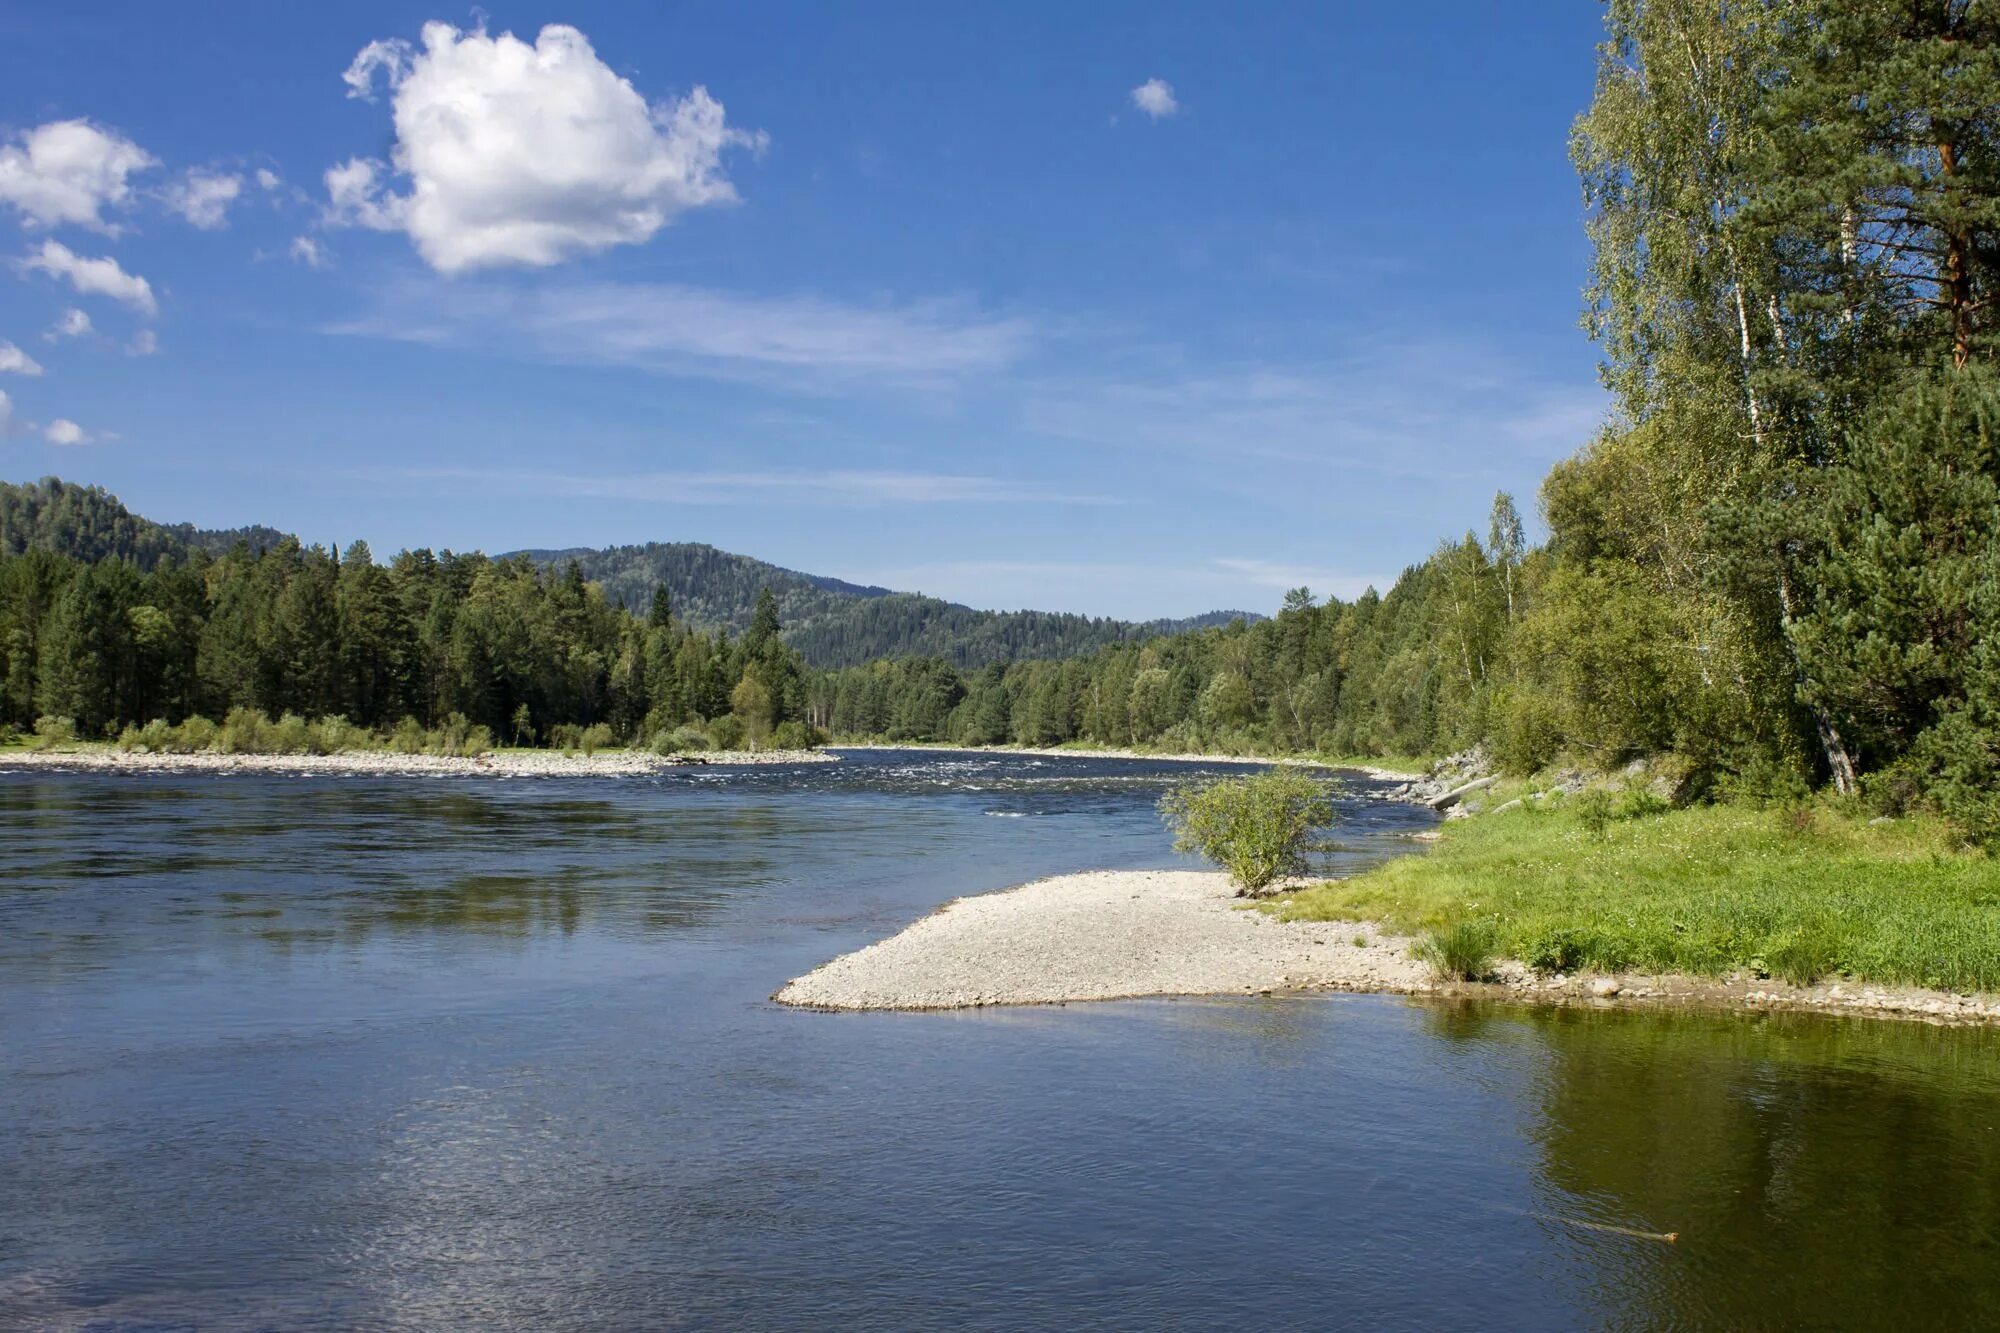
{"x": 1779, "y": 560}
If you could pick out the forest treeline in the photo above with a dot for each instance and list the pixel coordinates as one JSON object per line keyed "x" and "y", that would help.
{"x": 1779, "y": 560}
{"x": 448, "y": 641}
{"x": 830, "y": 621}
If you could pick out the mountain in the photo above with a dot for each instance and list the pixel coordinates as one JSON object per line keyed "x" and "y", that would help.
{"x": 836, "y": 623}
{"x": 830, "y": 621}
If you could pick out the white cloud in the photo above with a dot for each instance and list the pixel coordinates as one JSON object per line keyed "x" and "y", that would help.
{"x": 93, "y": 277}
{"x": 69, "y": 171}
{"x": 526, "y": 155}
{"x": 144, "y": 343}
{"x": 1156, "y": 98}
{"x": 308, "y": 251}
{"x": 268, "y": 179}
{"x": 803, "y": 343}
{"x": 72, "y": 323}
{"x": 14, "y": 361}
{"x": 6, "y": 413}
{"x": 64, "y": 431}
{"x": 203, "y": 197}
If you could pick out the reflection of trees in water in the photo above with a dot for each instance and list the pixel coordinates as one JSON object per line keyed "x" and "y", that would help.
{"x": 1820, "y": 1172}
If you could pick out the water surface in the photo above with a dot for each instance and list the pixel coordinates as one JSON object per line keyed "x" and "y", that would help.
{"x": 417, "y": 1053}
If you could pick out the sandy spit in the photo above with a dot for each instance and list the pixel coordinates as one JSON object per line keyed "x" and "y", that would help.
{"x": 1053, "y": 752}
{"x": 373, "y": 763}
{"x": 1108, "y": 934}
{"x": 1125, "y": 934}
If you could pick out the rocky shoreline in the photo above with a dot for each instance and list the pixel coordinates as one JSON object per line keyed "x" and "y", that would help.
{"x": 1106, "y": 935}
{"x": 382, "y": 763}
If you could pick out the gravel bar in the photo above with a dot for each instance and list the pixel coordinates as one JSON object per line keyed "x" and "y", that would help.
{"x": 1105, "y": 935}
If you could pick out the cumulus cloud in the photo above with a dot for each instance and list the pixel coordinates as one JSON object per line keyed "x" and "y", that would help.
{"x": 72, "y": 323}
{"x": 308, "y": 251}
{"x": 6, "y": 413}
{"x": 203, "y": 197}
{"x": 69, "y": 171}
{"x": 268, "y": 179}
{"x": 144, "y": 343}
{"x": 64, "y": 431}
{"x": 14, "y": 361}
{"x": 93, "y": 277}
{"x": 1156, "y": 98}
{"x": 525, "y": 155}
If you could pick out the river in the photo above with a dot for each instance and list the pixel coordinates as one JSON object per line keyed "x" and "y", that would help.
{"x": 406, "y": 1053}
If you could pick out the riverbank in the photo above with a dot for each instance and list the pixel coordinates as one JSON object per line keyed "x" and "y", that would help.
{"x": 1715, "y": 908}
{"x": 388, "y": 763}
{"x": 1172, "y": 757}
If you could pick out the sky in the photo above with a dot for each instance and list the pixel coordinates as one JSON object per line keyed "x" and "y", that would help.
{"x": 1124, "y": 309}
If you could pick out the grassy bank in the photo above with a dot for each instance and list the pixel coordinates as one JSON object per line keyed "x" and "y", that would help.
{"x": 1804, "y": 895}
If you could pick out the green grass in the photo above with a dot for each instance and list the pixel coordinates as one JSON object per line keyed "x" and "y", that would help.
{"x": 1801, "y": 895}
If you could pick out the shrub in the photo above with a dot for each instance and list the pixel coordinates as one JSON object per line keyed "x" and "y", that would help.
{"x": 335, "y": 735}
{"x": 727, "y": 732}
{"x": 195, "y": 733}
{"x": 1527, "y": 731}
{"x": 1461, "y": 951}
{"x": 1639, "y": 801}
{"x": 1257, "y": 828}
{"x": 409, "y": 737}
{"x": 565, "y": 736}
{"x": 53, "y": 731}
{"x": 457, "y": 737}
{"x": 1555, "y": 949}
{"x": 681, "y": 740}
{"x": 1594, "y": 811}
{"x": 796, "y": 735}
{"x": 244, "y": 731}
{"x": 289, "y": 735}
{"x": 593, "y": 738}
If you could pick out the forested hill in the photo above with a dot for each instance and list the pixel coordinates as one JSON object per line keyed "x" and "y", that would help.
{"x": 830, "y": 622}
{"x": 89, "y": 523}
{"x": 835, "y": 623}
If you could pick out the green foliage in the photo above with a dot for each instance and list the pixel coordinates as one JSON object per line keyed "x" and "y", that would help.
{"x": 1552, "y": 950}
{"x": 681, "y": 740}
{"x": 1258, "y": 828}
{"x": 1458, "y": 951}
{"x": 1594, "y": 812}
{"x": 727, "y": 732}
{"x": 51, "y": 731}
{"x": 1707, "y": 891}
{"x": 593, "y": 738}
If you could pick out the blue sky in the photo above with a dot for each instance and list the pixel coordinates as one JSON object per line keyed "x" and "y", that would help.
{"x": 1125, "y": 309}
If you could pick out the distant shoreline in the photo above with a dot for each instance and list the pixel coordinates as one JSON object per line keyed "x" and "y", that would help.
{"x": 1058, "y": 752}
{"x": 383, "y": 763}
{"x": 1135, "y": 934}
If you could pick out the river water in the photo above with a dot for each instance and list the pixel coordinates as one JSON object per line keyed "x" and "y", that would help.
{"x": 377, "y": 1053}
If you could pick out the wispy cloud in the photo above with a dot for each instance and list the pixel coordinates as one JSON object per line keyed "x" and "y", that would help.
{"x": 1401, "y": 409}
{"x": 776, "y": 486}
{"x": 804, "y": 342}
{"x": 1279, "y": 575}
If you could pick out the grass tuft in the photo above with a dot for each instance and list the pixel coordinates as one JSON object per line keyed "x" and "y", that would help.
{"x": 1460, "y": 951}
